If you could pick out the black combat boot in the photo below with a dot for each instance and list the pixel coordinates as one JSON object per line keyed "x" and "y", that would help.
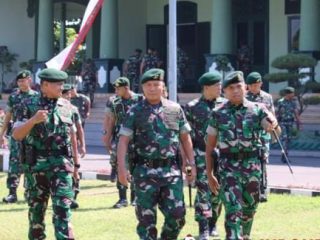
{"x": 113, "y": 175}
{"x": 133, "y": 198}
{"x": 12, "y": 197}
{"x": 203, "y": 230}
{"x": 212, "y": 228}
{"x": 122, "y": 198}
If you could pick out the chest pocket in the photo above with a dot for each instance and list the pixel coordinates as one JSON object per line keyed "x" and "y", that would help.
{"x": 171, "y": 119}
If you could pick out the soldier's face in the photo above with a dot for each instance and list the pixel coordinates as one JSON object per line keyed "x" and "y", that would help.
{"x": 52, "y": 89}
{"x": 214, "y": 90}
{"x": 120, "y": 91}
{"x": 255, "y": 87}
{"x": 153, "y": 90}
{"x": 235, "y": 92}
{"x": 24, "y": 84}
{"x": 67, "y": 95}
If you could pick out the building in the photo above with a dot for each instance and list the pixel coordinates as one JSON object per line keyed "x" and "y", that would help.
{"x": 205, "y": 29}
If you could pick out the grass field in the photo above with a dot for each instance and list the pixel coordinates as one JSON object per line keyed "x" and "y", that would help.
{"x": 283, "y": 217}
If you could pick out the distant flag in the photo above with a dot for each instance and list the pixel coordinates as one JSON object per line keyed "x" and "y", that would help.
{"x": 65, "y": 57}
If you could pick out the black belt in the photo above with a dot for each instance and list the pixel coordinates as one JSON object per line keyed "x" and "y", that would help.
{"x": 239, "y": 155}
{"x": 156, "y": 163}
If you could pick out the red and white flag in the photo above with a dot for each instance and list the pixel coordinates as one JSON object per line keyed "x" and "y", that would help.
{"x": 65, "y": 57}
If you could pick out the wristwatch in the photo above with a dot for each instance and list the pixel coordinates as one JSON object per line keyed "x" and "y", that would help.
{"x": 104, "y": 132}
{"x": 77, "y": 165}
{"x": 191, "y": 163}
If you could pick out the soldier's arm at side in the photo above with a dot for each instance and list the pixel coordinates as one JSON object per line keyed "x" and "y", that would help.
{"x": 122, "y": 150}
{"x": 188, "y": 152}
{"x": 4, "y": 128}
{"x": 108, "y": 126}
{"x": 22, "y": 129}
{"x": 80, "y": 134}
{"x": 75, "y": 156}
{"x": 211, "y": 143}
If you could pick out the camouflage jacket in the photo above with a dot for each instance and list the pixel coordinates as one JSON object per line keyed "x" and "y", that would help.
{"x": 238, "y": 128}
{"x": 150, "y": 61}
{"x": 155, "y": 131}
{"x": 198, "y": 112}
{"x": 15, "y": 100}
{"x": 50, "y": 141}
{"x": 82, "y": 102}
{"x": 133, "y": 64}
{"x": 262, "y": 97}
{"x": 286, "y": 110}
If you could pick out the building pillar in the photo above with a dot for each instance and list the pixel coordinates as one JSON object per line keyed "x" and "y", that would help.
{"x": 309, "y": 26}
{"x": 109, "y": 30}
{"x": 89, "y": 44}
{"x": 45, "y": 31}
{"x": 221, "y": 27}
{"x": 63, "y": 27}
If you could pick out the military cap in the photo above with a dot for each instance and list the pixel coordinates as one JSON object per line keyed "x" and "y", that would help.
{"x": 288, "y": 90}
{"x": 253, "y": 77}
{"x": 153, "y": 74}
{"x": 67, "y": 87}
{"x": 233, "y": 77}
{"x": 23, "y": 74}
{"x": 121, "y": 82}
{"x": 210, "y": 78}
{"x": 52, "y": 75}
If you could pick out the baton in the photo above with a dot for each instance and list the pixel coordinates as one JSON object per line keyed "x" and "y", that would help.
{"x": 188, "y": 171}
{"x": 282, "y": 150}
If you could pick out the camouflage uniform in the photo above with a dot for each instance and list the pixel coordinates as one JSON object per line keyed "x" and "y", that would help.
{"x": 118, "y": 108}
{"x": 82, "y": 102}
{"x": 266, "y": 99}
{"x": 15, "y": 166}
{"x": 133, "y": 72}
{"x": 50, "y": 165}
{"x": 182, "y": 60}
{"x": 238, "y": 130}
{"x": 150, "y": 61}
{"x": 206, "y": 204}
{"x": 157, "y": 174}
{"x": 89, "y": 80}
{"x": 286, "y": 110}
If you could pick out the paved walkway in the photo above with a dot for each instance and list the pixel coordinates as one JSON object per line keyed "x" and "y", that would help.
{"x": 305, "y": 165}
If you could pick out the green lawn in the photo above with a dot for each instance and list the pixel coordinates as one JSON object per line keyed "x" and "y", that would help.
{"x": 283, "y": 217}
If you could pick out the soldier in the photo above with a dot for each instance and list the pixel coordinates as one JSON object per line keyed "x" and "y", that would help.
{"x": 131, "y": 69}
{"x": 149, "y": 61}
{"x": 116, "y": 114}
{"x": 45, "y": 124}
{"x": 14, "y": 103}
{"x": 255, "y": 94}
{"x": 207, "y": 205}
{"x": 82, "y": 102}
{"x": 182, "y": 61}
{"x": 235, "y": 128}
{"x": 287, "y": 114}
{"x": 89, "y": 78}
{"x": 66, "y": 93}
{"x": 156, "y": 126}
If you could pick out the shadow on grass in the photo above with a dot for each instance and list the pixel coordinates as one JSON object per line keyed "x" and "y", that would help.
{"x": 96, "y": 186}
{"x": 93, "y": 209}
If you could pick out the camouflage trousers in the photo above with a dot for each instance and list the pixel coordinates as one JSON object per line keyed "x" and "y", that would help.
{"x": 167, "y": 193}
{"x": 40, "y": 186}
{"x": 206, "y": 204}
{"x": 239, "y": 191}
{"x": 15, "y": 166}
{"x": 286, "y": 133}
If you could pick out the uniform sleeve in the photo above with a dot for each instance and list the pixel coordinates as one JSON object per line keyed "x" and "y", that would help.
{"x": 127, "y": 128}
{"x": 212, "y": 128}
{"x": 76, "y": 116}
{"x": 23, "y": 114}
{"x": 184, "y": 126}
{"x": 109, "y": 107}
{"x": 9, "y": 106}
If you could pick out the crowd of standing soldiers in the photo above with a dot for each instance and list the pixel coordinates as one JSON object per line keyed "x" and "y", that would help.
{"x": 223, "y": 139}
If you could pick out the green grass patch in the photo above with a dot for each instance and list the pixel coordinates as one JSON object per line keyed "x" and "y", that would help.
{"x": 282, "y": 217}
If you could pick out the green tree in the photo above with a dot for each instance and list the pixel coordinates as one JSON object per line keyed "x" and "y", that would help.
{"x": 292, "y": 63}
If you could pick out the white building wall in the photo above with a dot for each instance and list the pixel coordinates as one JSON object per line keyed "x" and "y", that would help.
{"x": 17, "y": 31}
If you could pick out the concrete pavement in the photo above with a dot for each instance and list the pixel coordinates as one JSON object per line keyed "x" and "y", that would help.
{"x": 304, "y": 181}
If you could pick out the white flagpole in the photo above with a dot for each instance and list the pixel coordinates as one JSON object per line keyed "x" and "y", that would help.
{"x": 172, "y": 68}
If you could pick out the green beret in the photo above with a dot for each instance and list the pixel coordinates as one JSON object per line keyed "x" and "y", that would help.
{"x": 67, "y": 87}
{"x": 121, "y": 82}
{"x": 253, "y": 77}
{"x": 52, "y": 75}
{"x": 23, "y": 74}
{"x": 233, "y": 77}
{"x": 153, "y": 74}
{"x": 288, "y": 90}
{"x": 210, "y": 78}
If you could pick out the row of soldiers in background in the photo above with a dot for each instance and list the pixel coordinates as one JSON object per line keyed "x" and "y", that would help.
{"x": 46, "y": 128}
{"x": 89, "y": 79}
{"x": 137, "y": 64}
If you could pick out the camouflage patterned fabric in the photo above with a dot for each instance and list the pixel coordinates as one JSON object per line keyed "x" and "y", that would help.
{"x": 15, "y": 167}
{"x": 156, "y": 130}
{"x": 50, "y": 165}
{"x": 286, "y": 116}
{"x": 89, "y": 78}
{"x": 182, "y": 60}
{"x": 82, "y": 102}
{"x": 150, "y": 61}
{"x": 198, "y": 112}
{"x": 133, "y": 73}
{"x": 238, "y": 130}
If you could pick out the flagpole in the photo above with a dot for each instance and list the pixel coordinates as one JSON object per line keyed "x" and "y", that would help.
{"x": 172, "y": 68}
